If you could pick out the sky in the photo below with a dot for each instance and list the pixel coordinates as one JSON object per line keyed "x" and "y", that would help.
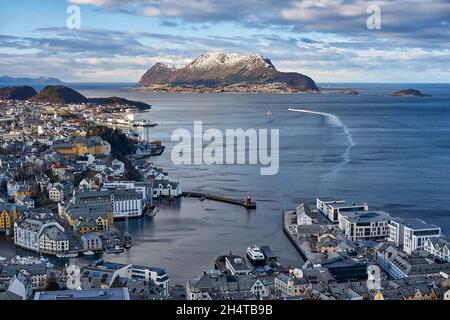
{"x": 328, "y": 40}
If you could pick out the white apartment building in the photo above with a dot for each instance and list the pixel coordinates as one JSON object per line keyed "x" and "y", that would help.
{"x": 332, "y": 207}
{"x": 53, "y": 240}
{"x": 364, "y": 225}
{"x": 125, "y": 203}
{"x": 40, "y": 236}
{"x": 56, "y": 194}
{"x": 412, "y": 234}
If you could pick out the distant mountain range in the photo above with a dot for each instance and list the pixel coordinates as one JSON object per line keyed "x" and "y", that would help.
{"x": 63, "y": 95}
{"x": 41, "y": 81}
{"x": 221, "y": 72}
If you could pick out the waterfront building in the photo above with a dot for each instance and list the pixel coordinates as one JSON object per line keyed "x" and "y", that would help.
{"x": 53, "y": 240}
{"x": 411, "y": 234}
{"x": 91, "y": 241}
{"x": 115, "y": 294}
{"x": 101, "y": 214}
{"x": 125, "y": 203}
{"x": 364, "y": 225}
{"x": 145, "y": 188}
{"x": 438, "y": 247}
{"x": 332, "y": 207}
{"x": 40, "y": 233}
{"x": 399, "y": 264}
{"x": 236, "y": 265}
{"x": 8, "y": 216}
{"x": 166, "y": 188}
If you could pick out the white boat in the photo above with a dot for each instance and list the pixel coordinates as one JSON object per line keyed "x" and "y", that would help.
{"x": 88, "y": 253}
{"x": 3, "y": 259}
{"x": 255, "y": 255}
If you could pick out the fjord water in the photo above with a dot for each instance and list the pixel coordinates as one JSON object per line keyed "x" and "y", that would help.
{"x": 392, "y": 152}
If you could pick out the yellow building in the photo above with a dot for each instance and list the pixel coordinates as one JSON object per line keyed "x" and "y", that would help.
{"x": 85, "y": 218}
{"x": 82, "y": 146}
{"x": 7, "y": 219}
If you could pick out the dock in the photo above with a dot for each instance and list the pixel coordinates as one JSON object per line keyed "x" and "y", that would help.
{"x": 247, "y": 203}
{"x": 289, "y": 232}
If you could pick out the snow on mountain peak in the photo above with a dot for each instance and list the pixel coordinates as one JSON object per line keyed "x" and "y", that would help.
{"x": 215, "y": 59}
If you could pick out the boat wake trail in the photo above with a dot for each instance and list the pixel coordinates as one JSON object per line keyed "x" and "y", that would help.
{"x": 336, "y": 122}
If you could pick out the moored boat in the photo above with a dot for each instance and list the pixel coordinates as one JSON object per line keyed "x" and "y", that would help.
{"x": 255, "y": 256}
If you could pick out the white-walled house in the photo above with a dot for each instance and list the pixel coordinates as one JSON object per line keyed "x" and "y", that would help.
{"x": 438, "y": 247}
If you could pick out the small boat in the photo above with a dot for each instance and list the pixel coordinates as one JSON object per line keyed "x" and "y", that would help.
{"x": 269, "y": 113}
{"x": 88, "y": 253}
{"x": 3, "y": 259}
{"x": 255, "y": 256}
{"x": 152, "y": 212}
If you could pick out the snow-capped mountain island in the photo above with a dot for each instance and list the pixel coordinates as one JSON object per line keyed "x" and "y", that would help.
{"x": 221, "y": 72}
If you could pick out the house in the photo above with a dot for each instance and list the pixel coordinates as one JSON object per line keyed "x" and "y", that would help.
{"x": 327, "y": 243}
{"x": 411, "y": 234}
{"x": 438, "y": 247}
{"x": 56, "y": 193}
{"x": 303, "y": 219}
{"x": 14, "y": 188}
{"x": 58, "y": 169}
{"x": 91, "y": 241}
{"x": 262, "y": 287}
{"x": 60, "y": 191}
{"x": 118, "y": 168}
{"x": 84, "y": 226}
{"x": 21, "y": 285}
{"x": 165, "y": 188}
{"x": 214, "y": 285}
{"x": 85, "y": 160}
{"x": 99, "y": 165}
{"x": 290, "y": 286}
{"x": 37, "y": 272}
{"x": 25, "y": 201}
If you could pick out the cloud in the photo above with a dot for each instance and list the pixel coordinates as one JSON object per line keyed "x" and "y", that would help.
{"x": 326, "y": 39}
